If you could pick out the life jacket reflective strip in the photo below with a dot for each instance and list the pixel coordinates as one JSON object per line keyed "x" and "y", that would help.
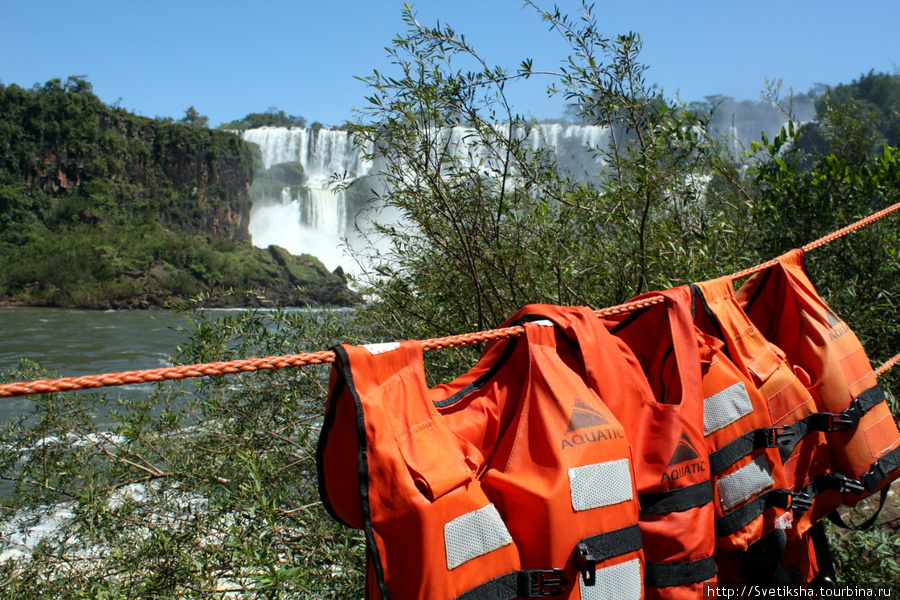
{"x": 672, "y": 462}
{"x": 751, "y": 497}
{"x": 570, "y": 510}
{"x": 858, "y": 424}
{"x": 562, "y": 436}
{"x": 787, "y": 401}
{"x": 390, "y": 466}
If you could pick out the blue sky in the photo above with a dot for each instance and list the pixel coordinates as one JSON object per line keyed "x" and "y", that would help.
{"x": 228, "y": 58}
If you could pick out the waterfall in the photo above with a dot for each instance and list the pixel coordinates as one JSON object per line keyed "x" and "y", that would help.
{"x": 312, "y": 222}
{"x": 306, "y": 215}
{"x": 326, "y": 211}
{"x": 322, "y": 152}
{"x": 301, "y": 213}
{"x": 569, "y": 143}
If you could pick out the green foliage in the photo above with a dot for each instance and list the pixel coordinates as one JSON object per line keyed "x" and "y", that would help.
{"x": 809, "y": 181}
{"x": 192, "y": 117}
{"x": 874, "y": 100}
{"x": 204, "y": 488}
{"x": 100, "y": 208}
{"x": 491, "y": 224}
{"x": 271, "y": 118}
{"x": 869, "y": 556}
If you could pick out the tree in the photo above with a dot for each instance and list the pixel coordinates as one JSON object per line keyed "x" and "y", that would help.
{"x": 874, "y": 98}
{"x": 493, "y": 224}
{"x": 192, "y": 117}
{"x": 810, "y": 180}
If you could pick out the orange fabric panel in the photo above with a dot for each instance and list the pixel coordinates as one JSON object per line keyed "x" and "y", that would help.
{"x": 784, "y": 304}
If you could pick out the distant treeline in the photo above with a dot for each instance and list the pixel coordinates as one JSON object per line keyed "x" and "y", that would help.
{"x": 873, "y": 97}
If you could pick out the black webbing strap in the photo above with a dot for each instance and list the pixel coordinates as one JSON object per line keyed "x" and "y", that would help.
{"x": 881, "y": 469}
{"x": 863, "y": 403}
{"x": 826, "y": 574}
{"x": 738, "y": 448}
{"x": 679, "y": 573}
{"x": 602, "y": 546}
{"x": 483, "y": 378}
{"x": 528, "y": 583}
{"x": 613, "y": 543}
{"x": 831, "y": 481}
{"x": 836, "y": 518}
{"x": 505, "y": 587}
{"x": 537, "y": 583}
{"x": 745, "y": 513}
{"x": 677, "y": 500}
{"x": 362, "y": 464}
{"x": 788, "y": 436}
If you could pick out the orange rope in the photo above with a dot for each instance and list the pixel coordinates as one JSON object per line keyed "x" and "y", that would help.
{"x": 84, "y": 382}
{"x": 250, "y": 365}
{"x": 887, "y": 366}
{"x": 824, "y": 240}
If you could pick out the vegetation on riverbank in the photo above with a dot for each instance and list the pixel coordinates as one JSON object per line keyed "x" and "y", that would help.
{"x": 208, "y": 488}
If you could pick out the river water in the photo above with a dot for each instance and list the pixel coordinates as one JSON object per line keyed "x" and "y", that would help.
{"x": 80, "y": 342}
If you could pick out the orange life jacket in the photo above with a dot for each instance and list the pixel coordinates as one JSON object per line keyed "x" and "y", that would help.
{"x": 513, "y": 481}
{"x": 828, "y": 357}
{"x": 787, "y": 401}
{"x": 666, "y": 428}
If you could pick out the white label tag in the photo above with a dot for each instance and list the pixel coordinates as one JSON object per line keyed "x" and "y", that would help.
{"x": 382, "y": 348}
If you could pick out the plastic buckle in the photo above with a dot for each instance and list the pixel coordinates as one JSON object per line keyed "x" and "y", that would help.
{"x": 876, "y": 475}
{"x": 778, "y": 436}
{"x": 537, "y": 583}
{"x": 780, "y": 498}
{"x": 586, "y": 563}
{"x": 853, "y": 413}
{"x": 844, "y": 484}
{"x": 840, "y": 422}
{"x": 800, "y": 502}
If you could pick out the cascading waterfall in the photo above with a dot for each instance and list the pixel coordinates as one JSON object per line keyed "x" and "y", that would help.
{"x": 569, "y": 143}
{"x": 313, "y": 218}
{"x": 314, "y": 222}
{"x": 309, "y": 217}
{"x": 322, "y": 152}
{"x": 327, "y": 212}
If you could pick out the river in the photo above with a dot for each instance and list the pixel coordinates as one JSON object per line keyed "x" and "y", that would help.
{"x": 81, "y": 342}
